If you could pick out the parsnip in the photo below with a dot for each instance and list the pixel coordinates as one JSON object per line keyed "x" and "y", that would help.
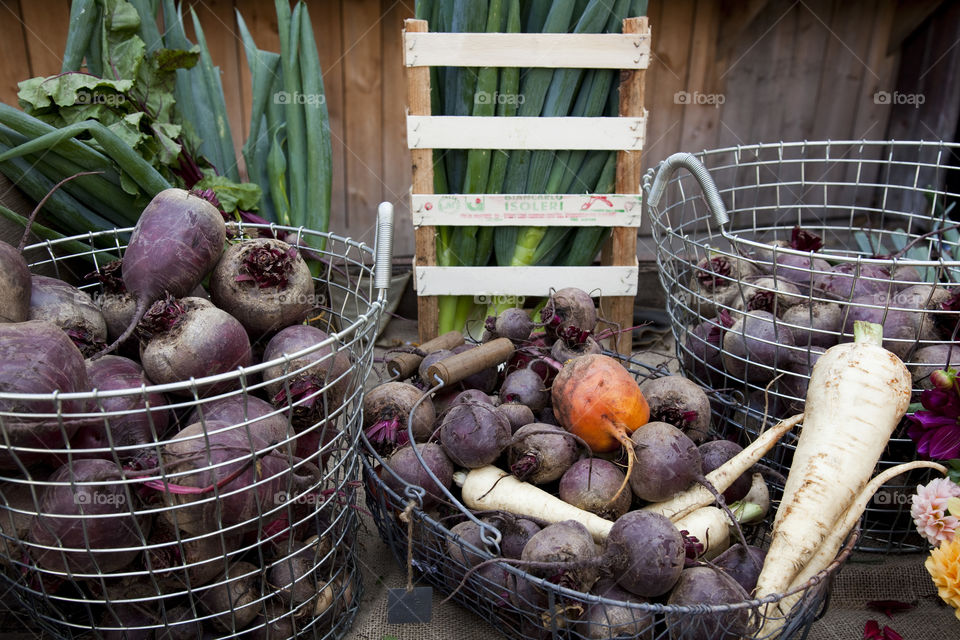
{"x": 857, "y": 394}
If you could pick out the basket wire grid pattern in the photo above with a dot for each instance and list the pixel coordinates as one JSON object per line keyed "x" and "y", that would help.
{"x": 160, "y": 591}
{"x": 867, "y": 200}
{"x": 520, "y": 605}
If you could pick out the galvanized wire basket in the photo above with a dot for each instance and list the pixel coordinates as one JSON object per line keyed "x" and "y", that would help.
{"x": 167, "y": 564}
{"x": 522, "y": 606}
{"x": 883, "y": 211}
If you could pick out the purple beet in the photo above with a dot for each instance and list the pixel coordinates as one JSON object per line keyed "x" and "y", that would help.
{"x": 388, "y": 408}
{"x": 87, "y": 544}
{"x": 765, "y": 293}
{"x": 178, "y": 240}
{"x": 37, "y": 357}
{"x": 755, "y": 346}
{"x": 517, "y": 414}
{"x": 70, "y": 309}
{"x": 542, "y": 453}
{"x": 701, "y": 353}
{"x": 404, "y": 463}
{"x": 429, "y": 360}
{"x": 591, "y": 484}
{"x": 715, "y": 454}
{"x": 816, "y": 324}
{"x": 266, "y": 423}
{"x": 127, "y": 425}
{"x": 899, "y": 328}
{"x": 667, "y": 462}
{"x": 569, "y": 307}
{"x": 474, "y": 435}
{"x": 647, "y": 553}
{"x": 928, "y": 359}
{"x": 526, "y": 387}
{"x": 680, "y": 402}
{"x": 514, "y": 324}
{"x": 850, "y": 280}
{"x": 191, "y": 338}
{"x": 743, "y": 564}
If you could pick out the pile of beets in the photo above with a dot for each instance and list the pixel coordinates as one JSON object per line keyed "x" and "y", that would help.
{"x": 508, "y": 416}
{"x": 213, "y": 498}
{"x": 773, "y": 313}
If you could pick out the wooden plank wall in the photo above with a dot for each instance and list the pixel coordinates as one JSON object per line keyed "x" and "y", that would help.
{"x": 763, "y": 70}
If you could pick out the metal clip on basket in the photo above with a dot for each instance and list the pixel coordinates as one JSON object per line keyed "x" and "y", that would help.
{"x": 177, "y": 563}
{"x": 881, "y": 209}
{"x": 520, "y": 605}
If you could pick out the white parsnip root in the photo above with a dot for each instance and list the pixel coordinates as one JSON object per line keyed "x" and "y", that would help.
{"x": 834, "y": 541}
{"x": 858, "y": 392}
{"x": 722, "y": 477}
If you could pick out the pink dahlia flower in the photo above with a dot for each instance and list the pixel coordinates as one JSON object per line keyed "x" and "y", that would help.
{"x": 929, "y": 510}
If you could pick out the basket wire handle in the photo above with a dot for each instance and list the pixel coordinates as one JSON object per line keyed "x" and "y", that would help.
{"x": 689, "y": 162}
{"x": 384, "y": 244}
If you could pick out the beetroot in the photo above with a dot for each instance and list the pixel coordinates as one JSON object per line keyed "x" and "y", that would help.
{"x": 569, "y": 548}
{"x": 404, "y": 463}
{"x": 899, "y": 327}
{"x": 314, "y": 383}
{"x": 591, "y": 484}
{"x": 117, "y": 305}
{"x": 667, "y": 462}
{"x": 800, "y": 269}
{"x": 541, "y": 453}
{"x": 517, "y": 414}
{"x": 717, "y": 452}
{"x": 238, "y": 479}
{"x": 755, "y": 345}
{"x": 266, "y": 423}
{"x": 526, "y": 387}
{"x": 646, "y": 553}
{"x": 925, "y": 298}
{"x": 699, "y": 586}
{"x": 264, "y": 283}
{"x": 128, "y": 424}
{"x": 516, "y": 533}
{"x": 701, "y": 354}
{"x": 680, "y": 402}
{"x": 474, "y": 434}
{"x": 87, "y": 544}
{"x": 191, "y": 338}
{"x": 181, "y": 562}
{"x": 765, "y": 293}
{"x": 743, "y": 564}
{"x": 569, "y": 307}
{"x": 37, "y": 357}
{"x": 469, "y": 396}
{"x": 386, "y": 411}
{"x": 514, "y": 324}
{"x": 14, "y": 285}
{"x": 232, "y": 600}
{"x": 70, "y": 309}
{"x": 851, "y": 280}
{"x": 178, "y": 239}
{"x": 715, "y": 283}
{"x": 816, "y": 324}
{"x": 602, "y": 620}
{"x": 293, "y": 577}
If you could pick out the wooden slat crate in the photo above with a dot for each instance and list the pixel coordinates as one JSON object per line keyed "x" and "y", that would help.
{"x": 615, "y": 280}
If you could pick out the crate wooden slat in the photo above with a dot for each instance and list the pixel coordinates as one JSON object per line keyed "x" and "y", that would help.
{"x": 481, "y": 132}
{"x": 615, "y": 281}
{"x": 483, "y": 282}
{"x": 555, "y": 50}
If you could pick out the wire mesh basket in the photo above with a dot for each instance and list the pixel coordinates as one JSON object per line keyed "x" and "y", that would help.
{"x": 740, "y": 233}
{"x": 522, "y": 606}
{"x": 243, "y": 524}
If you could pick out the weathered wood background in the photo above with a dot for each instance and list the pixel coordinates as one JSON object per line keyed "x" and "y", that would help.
{"x": 754, "y": 71}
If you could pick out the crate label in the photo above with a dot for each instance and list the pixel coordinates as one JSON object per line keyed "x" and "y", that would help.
{"x": 489, "y": 209}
